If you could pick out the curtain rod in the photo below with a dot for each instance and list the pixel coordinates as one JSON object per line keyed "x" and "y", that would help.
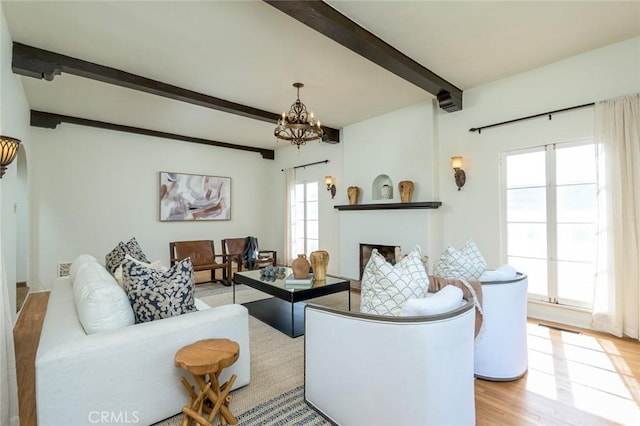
{"x": 308, "y": 164}
{"x": 479, "y": 129}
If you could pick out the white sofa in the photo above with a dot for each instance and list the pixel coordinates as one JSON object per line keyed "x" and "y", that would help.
{"x": 363, "y": 369}
{"x": 124, "y": 375}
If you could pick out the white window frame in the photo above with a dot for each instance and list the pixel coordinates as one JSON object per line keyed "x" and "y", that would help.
{"x": 551, "y": 218}
{"x": 295, "y": 220}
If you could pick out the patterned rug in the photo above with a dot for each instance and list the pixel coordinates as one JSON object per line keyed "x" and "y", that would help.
{"x": 288, "y": 408}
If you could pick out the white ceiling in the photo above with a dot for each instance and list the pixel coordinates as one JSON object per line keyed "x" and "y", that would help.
{"x": 250, "y": 53}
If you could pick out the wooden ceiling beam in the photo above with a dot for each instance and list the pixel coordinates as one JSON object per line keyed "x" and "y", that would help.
{"x": 43, "y": 64}
{"x": 49, "y": 120}
{"x": 331, "y": 23}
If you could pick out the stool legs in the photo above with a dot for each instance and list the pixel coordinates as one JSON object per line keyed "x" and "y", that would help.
{"x": 212, "y": 398}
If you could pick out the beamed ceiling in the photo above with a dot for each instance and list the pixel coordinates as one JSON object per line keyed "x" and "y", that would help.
{"x": 220, "y": 72}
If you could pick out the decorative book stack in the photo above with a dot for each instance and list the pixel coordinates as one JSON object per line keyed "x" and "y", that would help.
{"x": 291, "y": 282}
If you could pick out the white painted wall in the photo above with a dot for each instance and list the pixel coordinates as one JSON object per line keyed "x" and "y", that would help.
{"x": 14, "y": 121}
{"x": 401, "y": 145}
{"x": 22, "y": 217}
{"x": 475, "y": 210}
{"x": 93, "y": 188}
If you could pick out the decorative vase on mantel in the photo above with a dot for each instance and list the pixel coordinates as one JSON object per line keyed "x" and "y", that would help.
{"x": 385, "y": 192}
{"x": 300, "y": 267}
{"x": 319, "y": 261}
{"x": 406, "y": 190}
{"x": 353, "y": 192}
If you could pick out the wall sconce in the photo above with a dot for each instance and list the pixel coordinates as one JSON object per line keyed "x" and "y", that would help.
{"x": 460, "y": 176}
{"x": 8, "y": 151}
{"x": 330, "y": 181}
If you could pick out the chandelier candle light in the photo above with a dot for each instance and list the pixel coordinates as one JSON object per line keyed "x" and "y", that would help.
{"x": 299, "y": 126}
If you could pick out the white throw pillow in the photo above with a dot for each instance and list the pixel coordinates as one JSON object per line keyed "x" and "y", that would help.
{"x": 157, "y": 265}
{"x": 385, "y": 287}
{"x": 78, "y": 263}
{"x": 465, "y": 264}
{"x": 101, "y": 303}
{"x": 445, "y": 300}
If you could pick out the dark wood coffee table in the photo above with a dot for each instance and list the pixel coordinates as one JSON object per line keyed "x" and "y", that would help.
{"x": 285, "y": 311}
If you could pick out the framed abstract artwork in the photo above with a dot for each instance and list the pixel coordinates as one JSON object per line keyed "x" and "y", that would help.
{"x": 194, "y": 197}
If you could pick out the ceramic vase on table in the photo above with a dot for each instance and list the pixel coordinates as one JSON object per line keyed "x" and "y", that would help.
{"x": 319, "y": 261}
{"x": 406, "y": 190}
{"x": 353, "y": 192}
{"x": 300, "y": 267}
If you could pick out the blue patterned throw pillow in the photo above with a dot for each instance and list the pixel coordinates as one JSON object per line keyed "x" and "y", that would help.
{"x": 134, "y": 250}
{"x": 114, "y": 258}
{"x": 154, "y": 294}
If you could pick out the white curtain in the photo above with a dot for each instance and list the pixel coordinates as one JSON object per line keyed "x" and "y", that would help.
{"x": 289, "y": 201}
{"x": 8, "y": 381}
{"x": 617, "y": 295}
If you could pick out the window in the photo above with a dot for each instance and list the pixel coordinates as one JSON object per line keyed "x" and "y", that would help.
{"x": 551, "y": 212}
{"x": 304, "y": 218}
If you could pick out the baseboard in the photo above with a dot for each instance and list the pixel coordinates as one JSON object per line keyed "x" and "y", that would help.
{"x": 575, "y": 317}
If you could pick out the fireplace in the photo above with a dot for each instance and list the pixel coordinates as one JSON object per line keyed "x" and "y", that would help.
{"x": 390, "y": 253}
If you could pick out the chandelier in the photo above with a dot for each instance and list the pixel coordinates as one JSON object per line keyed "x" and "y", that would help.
{"x": 299, "y": 126}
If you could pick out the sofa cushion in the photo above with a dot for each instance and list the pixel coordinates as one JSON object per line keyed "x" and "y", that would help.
{"x": 465, "y": 264}
{"x": 445, "y": 300}
{"x": 386, "y": 287}
{"x": 156, "y": 295}
{"x": 101, "y": 303}
{"x": 157, "y": 265}
{"x": 114, "y": 258}
{"x": 78, "y": 263}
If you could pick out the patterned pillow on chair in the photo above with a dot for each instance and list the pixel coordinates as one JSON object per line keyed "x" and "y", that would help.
{"x": 465, "y": 264}
{"x": 386, "y": 287}
{"x": 154, "y": 294}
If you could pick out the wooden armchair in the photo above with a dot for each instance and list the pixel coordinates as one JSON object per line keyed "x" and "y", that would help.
{"x": 203, "y": 256}
{"x": 234, "y": 249}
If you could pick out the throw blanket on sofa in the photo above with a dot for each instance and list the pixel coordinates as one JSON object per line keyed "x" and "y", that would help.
{"x": 470, "y": 288}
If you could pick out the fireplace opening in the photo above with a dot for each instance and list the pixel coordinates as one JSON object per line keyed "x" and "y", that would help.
{"x": 390, "y": 253}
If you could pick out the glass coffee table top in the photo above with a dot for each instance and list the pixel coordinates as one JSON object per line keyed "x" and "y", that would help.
{"x": 285, "y": 310}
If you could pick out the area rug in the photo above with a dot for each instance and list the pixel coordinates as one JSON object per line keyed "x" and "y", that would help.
{"x": 277, "y": 367}
{"x": 286, "y": 409}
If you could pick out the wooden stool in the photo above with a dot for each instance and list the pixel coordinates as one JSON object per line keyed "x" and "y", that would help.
{"x": 202, "y": 358}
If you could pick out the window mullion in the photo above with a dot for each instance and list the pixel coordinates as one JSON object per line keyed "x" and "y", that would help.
{"x": 552, "y": 227}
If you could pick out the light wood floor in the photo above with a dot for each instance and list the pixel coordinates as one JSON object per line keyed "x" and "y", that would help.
{"x": 573, "y": 379}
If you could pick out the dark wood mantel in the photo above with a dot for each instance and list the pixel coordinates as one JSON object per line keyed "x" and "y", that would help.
{"x": 391, "y": 206}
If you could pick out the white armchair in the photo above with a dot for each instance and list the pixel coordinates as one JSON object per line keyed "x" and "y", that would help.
{"x": 374, "y": 370}
{"x": 501, "y": 348}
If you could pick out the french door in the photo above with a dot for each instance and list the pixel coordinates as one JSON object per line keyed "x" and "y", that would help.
{"x": 304, "y": 219}
{"x": 550, "y": 207}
